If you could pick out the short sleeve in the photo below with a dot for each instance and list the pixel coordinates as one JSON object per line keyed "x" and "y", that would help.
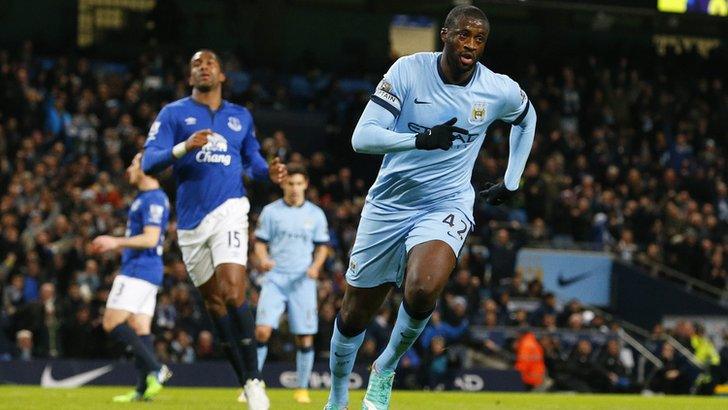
{"x": 155, "y": 212}
{"x": 516, "y": 103}
{"x": 392, "y": 90}
{"x": 321, "y": 234}
{"x": 161, "y": 133}
{"x": 263, "y": 230}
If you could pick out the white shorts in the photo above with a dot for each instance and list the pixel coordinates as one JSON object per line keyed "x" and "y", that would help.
{"x": 221, "y": 237}
{"x": 132, "y": 295}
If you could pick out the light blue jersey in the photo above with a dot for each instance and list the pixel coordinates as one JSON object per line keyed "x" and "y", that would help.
{"x": 292, "y": 233}
{"x": 415, "y": 92}
{"x": 425, "y": 195}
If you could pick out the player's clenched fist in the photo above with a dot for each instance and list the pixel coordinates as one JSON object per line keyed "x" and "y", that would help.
{"x": 197, "y": 140}
{"x": 277, "y": 171}
{"x": 267, "y": 264}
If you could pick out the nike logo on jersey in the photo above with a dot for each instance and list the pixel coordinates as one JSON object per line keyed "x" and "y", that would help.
{"x": 341, "y": 355}
{"x": 422, "y": 102}
{"x": 47, "y": 380}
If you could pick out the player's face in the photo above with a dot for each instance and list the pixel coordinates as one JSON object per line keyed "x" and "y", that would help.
{"x": 465, "y": 43}
{"x": 205, "y": 72}
{"x": 294, "y": 187}
{"x": 134, "y": 171}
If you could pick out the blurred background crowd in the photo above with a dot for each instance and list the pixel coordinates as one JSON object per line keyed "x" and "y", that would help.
{"x": 629, "y": 158}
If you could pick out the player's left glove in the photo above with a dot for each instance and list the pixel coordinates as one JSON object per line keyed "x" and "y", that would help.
{"x": 496, "y": 194}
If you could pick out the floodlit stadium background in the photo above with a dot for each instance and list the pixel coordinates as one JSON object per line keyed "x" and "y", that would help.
{"x": 626, "y": 182}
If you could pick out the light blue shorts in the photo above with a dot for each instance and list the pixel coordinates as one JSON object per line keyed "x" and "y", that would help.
{"x": 379, "y": 254}
{"x": 298, "y": 294}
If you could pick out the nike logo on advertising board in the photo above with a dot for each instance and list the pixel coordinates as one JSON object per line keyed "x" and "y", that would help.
{"x": 47, "y": 380}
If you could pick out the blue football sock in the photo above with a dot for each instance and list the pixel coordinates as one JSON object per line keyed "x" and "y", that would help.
{"x": 228, "y": 343}
{"x": 262, "y": 353}
{"x": 139, "y": 364}
{"x": 304, "y": 366}
{"x": 126, "y": 335}
{"x": 405, "y": 332}
{"x": 341, "y": 362}
{"x": 245, "y": 328}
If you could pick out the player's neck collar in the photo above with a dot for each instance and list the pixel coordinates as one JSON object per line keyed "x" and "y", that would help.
{"x": 293, "y": 206}
{"x": 222, "y": 104}
{"x": 446, "y": 81}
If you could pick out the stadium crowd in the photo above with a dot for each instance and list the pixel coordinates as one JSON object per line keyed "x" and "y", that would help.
{"x": 623, "y": 163}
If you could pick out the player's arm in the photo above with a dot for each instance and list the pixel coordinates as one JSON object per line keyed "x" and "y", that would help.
{"x": 253, "y": 162}
{"x": 159, "y": 149}
{"x": 149, "y": 238}
{"x": 321, "y": 250}
{"x": 522, "y": 116}
{"x": 373, "y": 133}
{"x": 262, "y": 236}
{"x": 261, "y": 252}
{"x": 320, "y": 253}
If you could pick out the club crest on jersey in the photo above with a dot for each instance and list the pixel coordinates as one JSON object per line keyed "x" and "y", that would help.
{"x": 215, "y": 151}
{"x": 477, "y": 114}
{"x": 234, "y": 124}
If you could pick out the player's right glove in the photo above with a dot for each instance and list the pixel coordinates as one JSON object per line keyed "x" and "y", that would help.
{"x": 440, "y": 136}
{"x": 496, "y": 194}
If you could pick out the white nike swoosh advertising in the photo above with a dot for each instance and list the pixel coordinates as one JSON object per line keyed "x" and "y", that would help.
{"x": 47, "y": 380}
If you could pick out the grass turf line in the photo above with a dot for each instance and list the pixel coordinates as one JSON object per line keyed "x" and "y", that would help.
{"x": 31, "y": 397}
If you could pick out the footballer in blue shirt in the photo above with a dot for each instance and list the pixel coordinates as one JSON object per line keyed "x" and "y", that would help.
{"x": 210, "y": 143}
{"x": 429, "y": 117}
{"x": 130, "y": 307}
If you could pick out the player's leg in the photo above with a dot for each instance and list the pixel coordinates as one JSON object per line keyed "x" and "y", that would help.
{"x": 271, "y": 304}
{"x": 303, "y": 320}
{"x": 262, "y": 336}
{"x": 304, "y": 367}
{"x": 428, "y": 269}
{"x": 215, "y": 305}
{"x": 126, "y": 295}
{"x": 141, "y": 322}
{"x": 376, "y": 264}
{"x": 433, "y": 245}
{"x": 357, "y": 309}
{"x": 233, "y": 284}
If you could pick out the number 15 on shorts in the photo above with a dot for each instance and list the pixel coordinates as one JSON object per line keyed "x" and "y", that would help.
{"x": 233, "y": 239}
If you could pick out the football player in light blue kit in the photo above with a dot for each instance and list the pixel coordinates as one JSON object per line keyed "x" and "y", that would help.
{"x": 210, "y": 142}
{"x": 130, "y": 307}
{"x": 428, "y": 116}
{"x": 292, "y": 247}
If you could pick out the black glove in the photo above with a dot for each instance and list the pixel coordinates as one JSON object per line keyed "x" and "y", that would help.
{"x": 496, "y": 194}
{"x": 440, "y": 136}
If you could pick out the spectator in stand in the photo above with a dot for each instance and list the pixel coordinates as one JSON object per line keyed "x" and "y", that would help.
{"x": 530, "y": 360}
{"x": 672, "y": 377}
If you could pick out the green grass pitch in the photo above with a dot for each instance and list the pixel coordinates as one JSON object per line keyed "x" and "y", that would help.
{"x": 27, "y": 398}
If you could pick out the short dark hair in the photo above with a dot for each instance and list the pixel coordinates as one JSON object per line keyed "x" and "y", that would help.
{"x": 207, "y": 50}
{"x": 464, "y": 11}
{"x": 297, "y": 169}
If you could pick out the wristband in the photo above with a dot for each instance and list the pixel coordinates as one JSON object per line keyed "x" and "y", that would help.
{"x": 179, "y": 150}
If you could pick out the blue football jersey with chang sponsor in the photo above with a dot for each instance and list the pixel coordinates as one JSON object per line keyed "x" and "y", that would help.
{"x": 213, "y": 174}
{"x": 150, "y": 208}
{"x": 415, "y": 92}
